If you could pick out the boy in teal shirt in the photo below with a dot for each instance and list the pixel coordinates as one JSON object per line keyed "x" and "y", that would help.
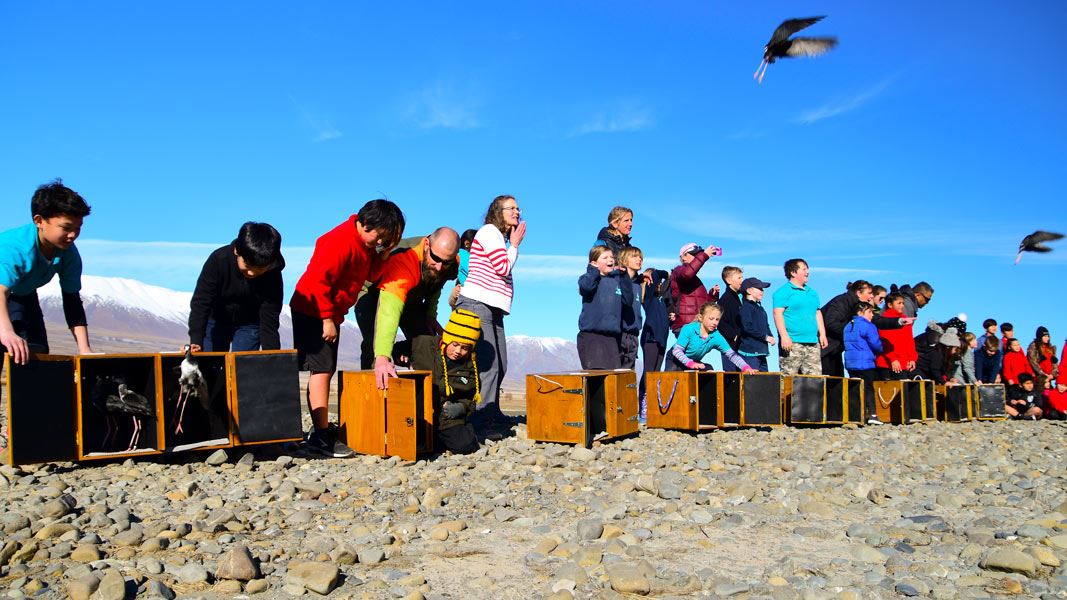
{"x": 798, "y": 318}
{"x": 30, "y": 256}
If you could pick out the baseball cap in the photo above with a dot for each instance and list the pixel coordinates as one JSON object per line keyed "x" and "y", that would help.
{"x": 750, "y": 282}
{"x": 690, "y": 248}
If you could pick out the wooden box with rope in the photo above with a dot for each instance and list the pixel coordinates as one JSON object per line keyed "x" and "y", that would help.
{"x": 816, "y": 399}
{"x": 989, "y": 402}
{"x": 686, "y": 400}
{"x": 752, "y": 399}
{"x": 954, "y": 403}
{"x": 581, "y": 407}
{"x": 899, "y": 401}
{"x": 393, "y": 422}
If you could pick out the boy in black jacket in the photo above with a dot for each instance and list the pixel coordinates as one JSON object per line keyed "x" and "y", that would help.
{"x": 1022, "y": 399}
{"x": 238, "y": 295}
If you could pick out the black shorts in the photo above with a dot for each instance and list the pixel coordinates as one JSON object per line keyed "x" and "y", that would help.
{"x": 313, "y": 353}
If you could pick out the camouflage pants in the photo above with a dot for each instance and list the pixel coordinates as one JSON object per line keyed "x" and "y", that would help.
{"x": 802, "y": 359}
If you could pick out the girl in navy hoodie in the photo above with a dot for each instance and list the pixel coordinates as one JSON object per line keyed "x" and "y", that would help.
{"x": 604, "y": 291}
{"x": 862, "y": 344}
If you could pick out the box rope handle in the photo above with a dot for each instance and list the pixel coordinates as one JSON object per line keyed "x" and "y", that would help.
{"x": 881, "y": 398}
{"x": 542, "y": 391}
{"x": 659, "y": 397}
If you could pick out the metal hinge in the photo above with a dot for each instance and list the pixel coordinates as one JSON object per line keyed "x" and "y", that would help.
{"x": 578, "y": 391}
{"x": 573, "y": 424}
{"x": 692, "y": 399}
{"x": 409, "y": 421}
{"x": 632, "y": 386}
{"x": 633, "y": 418}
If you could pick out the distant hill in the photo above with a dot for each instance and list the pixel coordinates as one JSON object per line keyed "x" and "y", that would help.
{"x": 127, "y": 315}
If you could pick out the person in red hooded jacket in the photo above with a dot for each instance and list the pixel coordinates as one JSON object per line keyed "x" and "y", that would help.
{"x": 1015, "y": 363}
{"x": 897, "y": 360}
{"x": 688, "y": 293}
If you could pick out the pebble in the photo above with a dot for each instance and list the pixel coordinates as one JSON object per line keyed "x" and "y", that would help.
{"x": 217, "y": 457}
{"x": 319, "y": 577}
{"x": 1006, "y": 559}
{"x": 237, "y": 564}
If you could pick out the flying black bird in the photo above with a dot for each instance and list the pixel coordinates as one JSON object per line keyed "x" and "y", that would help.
{"x": 191, "y": 384}
{"x": 112, "y": 396}
{"x": 781, "y": 46}
{"x": 1032, "y": 243}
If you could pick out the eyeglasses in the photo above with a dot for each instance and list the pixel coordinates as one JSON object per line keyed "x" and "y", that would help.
{"x": 438, "y": 259}
{"x": 514, "y": 208}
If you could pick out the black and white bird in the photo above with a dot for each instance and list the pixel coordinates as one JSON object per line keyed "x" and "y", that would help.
{"x": 112, "y": 396}
{"x": 191, "y": 384}
{"x": 1033, "y": 243}
{"x": 781, "y": 46}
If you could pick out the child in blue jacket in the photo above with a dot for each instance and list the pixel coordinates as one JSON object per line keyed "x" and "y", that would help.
{"x": 862, "y": 344}
{"x": 755, "y": 338}
{"x": 604, "y": 291}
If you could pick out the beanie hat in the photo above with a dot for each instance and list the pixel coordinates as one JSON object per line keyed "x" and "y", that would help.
{"x": 949, "y": 338}
{"x": 464, "y": 327}
{"x": 1041, "y": 331}
{"x": 932, "y": 325}
{"x": 958, "y": 323}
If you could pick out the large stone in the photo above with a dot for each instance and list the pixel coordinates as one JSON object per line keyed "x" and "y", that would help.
{"x": 158, "y": 589}
{"x": 319, "y": 577}
{"x": 82, "y": 588}
{"x": 1057, "y": 541}
{"x": 237, "y": 564}
{"x": 112, "y": 586}
{"x": 627, "y": 578}
{"x": 57, "y": 507}
{"x": 193, "y": 573}
{"x": 1006, "y": 559}
{"x": 371, "y": 556}
{"x": 590, "y": 529}
{"x": 866, "y": 554}
{"x": 582, "y": 454}
{"x": 217, "y": 457}
{"x": 87, "y": 553}
{"x": 1045, "y": 556}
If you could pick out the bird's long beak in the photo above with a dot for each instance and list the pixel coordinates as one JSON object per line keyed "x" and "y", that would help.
{"x": 1018, "y": 257}
{"x": 760, "y": 80}
{"x": 756, "y": 74}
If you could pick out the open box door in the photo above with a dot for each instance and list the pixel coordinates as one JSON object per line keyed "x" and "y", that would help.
{"x": 556, "y": 408}
{"x": 621, "y": 404}
{"x": 41, "y": 416}
{"x": 409, "y": 415}
{"x": 671, "y": 399}
{"x": 265, "y": 400}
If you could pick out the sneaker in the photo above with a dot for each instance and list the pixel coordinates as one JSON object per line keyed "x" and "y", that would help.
{"x": 325, "y": 442}
{"x": 874, "y": 420}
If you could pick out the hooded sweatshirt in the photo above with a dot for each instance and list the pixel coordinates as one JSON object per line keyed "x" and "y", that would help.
{"x": 1015, "y": 363}
{"x": 603, "y": 297}
{"x": 897, "y": 344}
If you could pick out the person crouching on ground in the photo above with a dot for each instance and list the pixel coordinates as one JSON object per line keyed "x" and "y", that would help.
{"x": 1022, "y": 399}
{"x": 698, "y": 338}
{"x": 604, "y": 291}
{"x": 456, "y": 387}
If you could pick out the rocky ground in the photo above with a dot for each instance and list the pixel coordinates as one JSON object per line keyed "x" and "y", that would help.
{"x": 939, "y": 510}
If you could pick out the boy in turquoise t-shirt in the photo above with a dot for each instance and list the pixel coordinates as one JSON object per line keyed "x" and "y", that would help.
{"x": 30, "y": 256}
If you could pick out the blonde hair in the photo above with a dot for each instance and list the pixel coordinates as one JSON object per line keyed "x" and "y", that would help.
{"x": 707, "y": 306}
{"x": 617, "y": 213}
{"x": 596, "y": 252}
{"x": 967, "y": 338}
{"x": 628, "y": 252}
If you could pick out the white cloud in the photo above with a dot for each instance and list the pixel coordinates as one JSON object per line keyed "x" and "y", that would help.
{"x": 840, "y": 107}
{"x": 322, "y": 126}
{"x": 443, "y": 105}
{"x": 620, "y": 119}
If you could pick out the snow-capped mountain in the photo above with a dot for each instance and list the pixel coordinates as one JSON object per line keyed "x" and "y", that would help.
{"x": 126, "y": 315}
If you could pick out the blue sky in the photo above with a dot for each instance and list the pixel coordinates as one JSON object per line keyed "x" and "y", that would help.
{"x": 924, "y": 147}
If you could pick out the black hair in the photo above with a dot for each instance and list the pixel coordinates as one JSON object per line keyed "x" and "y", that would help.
{"x": 467, "y": 237}
{"x": 259, "y": 244}
{"x": 855, "y": 286}
{"x": 55, "y": 199}
{"x": 1024, "y": 377}
{"x": 863, "y": 306}
{"x": 792, "y": 266}
{"x": 923, "y": 288}
{"x": 1005, "y": 326}
{"x": 878, "y": 289}
{"x": 989, "y": 323}
{"x": 893, "y": 297}
{"x": 384, "y": 215}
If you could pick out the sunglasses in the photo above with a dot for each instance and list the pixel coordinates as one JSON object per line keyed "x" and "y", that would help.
{"x": 438, "y": 259}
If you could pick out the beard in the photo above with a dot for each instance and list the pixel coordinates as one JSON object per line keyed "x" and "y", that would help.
{"x": 429, "y": 275}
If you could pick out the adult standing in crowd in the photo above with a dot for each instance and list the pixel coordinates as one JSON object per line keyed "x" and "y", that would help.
{"x": 837, "y": 313}
{"x": 799, "y": 321}
{"x": 405, "y": 297}
{"x": 616, "y": 235}
{"x": 915, "y": 297}
{"x": 688, "y": 293}
{"x": 1042, "y": 356}
{"x": 488, "y": 293}
{"x": 730, "y": 302}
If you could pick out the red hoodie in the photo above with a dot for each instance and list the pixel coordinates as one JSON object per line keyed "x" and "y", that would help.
{"x": 1056, "y": 399}
{"x": 339, "y": 267}
{"x": 897, "y": 344}
{"x": 1015, "y": 363}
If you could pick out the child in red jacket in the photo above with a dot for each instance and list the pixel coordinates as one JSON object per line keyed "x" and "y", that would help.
{"x": 1056, "y": 400}
{"x": 344, "y": 259}
{"x": 897, "y": 360}
{"x": 1015, "y": 363}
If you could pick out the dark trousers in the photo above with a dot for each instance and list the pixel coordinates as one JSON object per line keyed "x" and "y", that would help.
{"x": 888, "y": 374}
{"x": 459, "y": 439}
{"x": 222, "y": 337}
{"x": 833, "y": 363}
{"x": 758, "y": 363}
{"x": 869, "y": 376}
{"x": 28, "y": 321}
{"x": 413, "y": 323}
{"x": 598, "y": 351}
{"x": 652, "y": 361}
{"x": 628, "y": 343}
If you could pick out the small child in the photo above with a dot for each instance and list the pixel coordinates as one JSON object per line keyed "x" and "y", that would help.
{"x": 965, "y": 372}
{"x": 730, "y": 303}
{"x": 1056, "y": 401}
{"x": 238, "y": 295}
{"x": 989, "y": 330}
{"x": 631, "y": 259}
{"x": 345, "y": 258}
{"x": 654, "y": 292}
{"x": 463, "y": 257}
{"x": 1022, "y": 399}
{"x": 862, "y": 344}
{"x": 700, "y": 337}
{"x": 755, "y": 337}
{"x": 1015, "y": 362}
{"x": 604, "y": 291}
{"x": 987, "y": 361}
{"x": 30, "y": 256}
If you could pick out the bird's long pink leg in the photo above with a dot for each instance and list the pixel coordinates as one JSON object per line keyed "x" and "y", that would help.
{"x": 761, "y": 63}
{"x": 179, "y": 408}
{"x": 182, "y": 416}
{"x": 764, "y": 72}
{"x": 136, "y": 430}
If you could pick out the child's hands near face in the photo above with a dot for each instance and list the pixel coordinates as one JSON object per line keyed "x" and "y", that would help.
{"x": 329, "y": 330}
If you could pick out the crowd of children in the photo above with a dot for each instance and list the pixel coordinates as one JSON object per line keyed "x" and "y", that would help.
{"x": 868, "y": 330}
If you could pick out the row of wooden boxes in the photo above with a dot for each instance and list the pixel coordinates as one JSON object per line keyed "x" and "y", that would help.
{"x": 582, "y": 407}
{"x": 57, "y": 412}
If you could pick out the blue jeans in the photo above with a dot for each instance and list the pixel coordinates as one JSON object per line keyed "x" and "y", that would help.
{"x": 218, "y": 337}
{"x": 758, "y": 363}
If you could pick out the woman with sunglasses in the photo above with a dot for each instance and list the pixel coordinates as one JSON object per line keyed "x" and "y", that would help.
{"x": 488, "y": 292}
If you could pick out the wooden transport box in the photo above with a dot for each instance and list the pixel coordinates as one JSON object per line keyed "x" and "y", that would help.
{"x": 42, "y": 424}
{"x": 898, "y": 402}
{"x": 686, "y": 400}
{"x": 816, "y": 399}
{"x": 581, "y": 407}
{"x": 926, "y": 411}
{"x": 752, "y": 399}
{"x": 264, "y": 397}
{"x": 954, "y": 403}
{"x": 393, "y": 422}
{"x": 204, "y": 423}
{"x": 989, "y": 402}
{"x": 96, "y": 438}
{"x": 855, "y": 401}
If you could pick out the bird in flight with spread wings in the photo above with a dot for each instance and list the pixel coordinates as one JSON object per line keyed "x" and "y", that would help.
{"x": 1033, "y": 243}
{"x": 781, "y": 46}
